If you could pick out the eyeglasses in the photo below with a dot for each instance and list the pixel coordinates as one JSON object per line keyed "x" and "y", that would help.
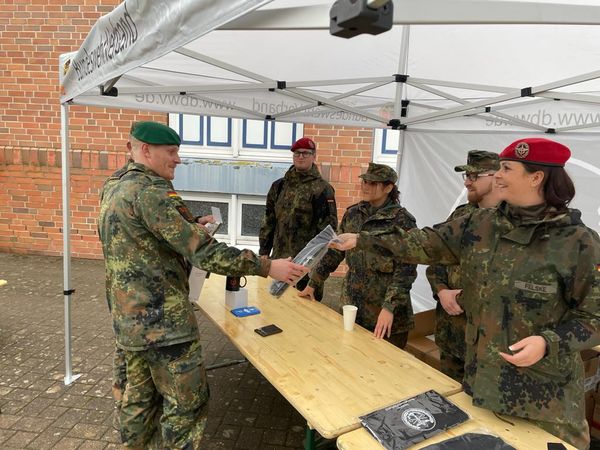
{"x": 472, "y": 177}
{"x": 303, "y": 154}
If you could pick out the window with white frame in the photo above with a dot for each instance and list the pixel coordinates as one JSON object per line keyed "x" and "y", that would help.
{"x": 220, "y": 137}
{"x": 385, "y": 146}
{"x": 242, "y": 215}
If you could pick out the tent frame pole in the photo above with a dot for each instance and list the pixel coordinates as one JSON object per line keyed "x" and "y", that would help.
{"x": 67, "y": 291}
{"x": 400, "y": 92}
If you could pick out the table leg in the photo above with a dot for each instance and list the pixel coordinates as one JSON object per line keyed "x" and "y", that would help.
{"x": 226, "y": 364}
{"x": 314, "y": 441}
{"x": 309, "y": 439}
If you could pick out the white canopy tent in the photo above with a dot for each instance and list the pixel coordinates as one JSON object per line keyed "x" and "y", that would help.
{"x": 450, "y": 75}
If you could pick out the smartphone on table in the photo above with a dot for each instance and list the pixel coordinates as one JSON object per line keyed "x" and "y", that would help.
{"x": 268, "y": 330}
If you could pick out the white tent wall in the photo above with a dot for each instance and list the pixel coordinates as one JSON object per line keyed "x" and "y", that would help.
{"x": 431, "y": 189}
{"x": 282, "y": 64}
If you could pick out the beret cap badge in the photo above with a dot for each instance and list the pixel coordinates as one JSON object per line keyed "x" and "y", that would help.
{"x": 522, "y": 150}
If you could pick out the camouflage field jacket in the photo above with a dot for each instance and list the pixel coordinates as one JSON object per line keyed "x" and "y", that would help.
{"x": 520, "y": 278}
{"x": 449, "y": 330}
{"x": 147, "y": 234}
{"x": 299, "y": 206}
{"x": 373, "y": 281}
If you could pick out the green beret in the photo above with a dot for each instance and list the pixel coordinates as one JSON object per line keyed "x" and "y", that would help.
{"x": 155, "y": 133}
{"x": 380, "y": 173}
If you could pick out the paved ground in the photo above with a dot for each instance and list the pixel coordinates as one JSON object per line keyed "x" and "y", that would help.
{"x": 39, "y": 412}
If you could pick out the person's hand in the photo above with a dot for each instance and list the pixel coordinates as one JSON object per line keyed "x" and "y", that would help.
{"x": 285, "y": 270}
{"x": 205, "y": 219}
{"x": 384, "y": 324}
{"x": 527, "y": 351}
{"x": 448, "y": 300}
{"x": 308, "y": 292}
{"x": 345, "y": 241}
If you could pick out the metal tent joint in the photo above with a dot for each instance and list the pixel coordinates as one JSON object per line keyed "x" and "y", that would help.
{"x": 110, "y": 92}
{"x": 396, "y": 124}
{"x": 404, "y": 107}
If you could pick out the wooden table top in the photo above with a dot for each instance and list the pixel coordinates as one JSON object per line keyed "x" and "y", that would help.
{"x": 521, "y": 434}
{"x": 329, "y": 375}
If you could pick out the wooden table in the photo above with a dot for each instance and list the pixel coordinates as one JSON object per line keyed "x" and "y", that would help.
{"x": 329, "y": 375}
{"x": 521, "y": 434}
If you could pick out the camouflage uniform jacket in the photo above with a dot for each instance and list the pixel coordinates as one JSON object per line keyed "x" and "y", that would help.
{"x": 299, "y": 206}
{"x": 449, "y": 330}
{"x": 147, "y": 234}
{"x": 373, "y": 280}
{"x": 520, "y": 278}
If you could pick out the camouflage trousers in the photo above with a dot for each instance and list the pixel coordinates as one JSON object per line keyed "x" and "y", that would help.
{"x": 119, "y": 380}
{"x": 397, "y": 339}
{"x": 171, "y": 380}
{"x": 576, "y": 433}
{"x": 452, "y": 365}
{"x": 303, "y": 282}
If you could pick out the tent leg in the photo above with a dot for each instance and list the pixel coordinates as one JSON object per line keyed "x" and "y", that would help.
{"x": 67, "y": 291}
{"x": 402, "y": 69}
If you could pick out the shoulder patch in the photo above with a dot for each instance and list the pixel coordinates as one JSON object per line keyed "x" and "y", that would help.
{"x": 186, "y": 213}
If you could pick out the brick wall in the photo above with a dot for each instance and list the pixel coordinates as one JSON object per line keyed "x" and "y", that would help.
{"x": 32, "y": 36}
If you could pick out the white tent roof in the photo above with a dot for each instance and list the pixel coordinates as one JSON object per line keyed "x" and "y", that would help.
{"x": 279, "y": 61}
{"x": 487, "y": 71}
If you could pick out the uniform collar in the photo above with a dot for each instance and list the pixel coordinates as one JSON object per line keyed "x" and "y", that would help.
{"x": 528, "y": 220}
{"x": 311, "y": 174}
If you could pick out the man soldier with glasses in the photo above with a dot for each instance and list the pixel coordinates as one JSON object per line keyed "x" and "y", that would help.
{"x": 299, "y": 206}
{"x": 445, "y": 280}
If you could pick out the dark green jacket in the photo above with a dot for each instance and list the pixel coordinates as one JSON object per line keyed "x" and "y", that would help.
{"x": 299, "y": 206}
{"x": 520, "y": 278}
{"x": 147, "y": 234}
{"x": 373, "y": 281}
{"x": 449, "y": 330}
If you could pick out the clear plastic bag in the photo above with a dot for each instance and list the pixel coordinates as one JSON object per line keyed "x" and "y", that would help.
{"x": 309, "y": 256}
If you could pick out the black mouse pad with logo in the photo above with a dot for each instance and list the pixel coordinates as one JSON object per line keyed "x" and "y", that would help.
{"x": 413, "y": 420}
{"x": 471, "y": 441}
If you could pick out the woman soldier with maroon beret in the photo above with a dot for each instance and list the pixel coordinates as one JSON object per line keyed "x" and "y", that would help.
{"x": 531, "y": 279}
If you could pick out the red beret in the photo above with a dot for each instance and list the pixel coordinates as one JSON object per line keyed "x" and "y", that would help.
{"x": 537, "y": 151}
{"x": 304, "y": 143}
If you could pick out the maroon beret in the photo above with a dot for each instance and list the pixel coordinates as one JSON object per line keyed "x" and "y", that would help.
{"x": 537, "y": 151}
{"x": 304, "y": 143}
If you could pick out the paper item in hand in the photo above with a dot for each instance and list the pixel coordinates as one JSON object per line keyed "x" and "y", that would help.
{"x": 470, "y": 441}
{"x": 413, "y": 420}
{"x": 196, "y": 281}
{"x": 309, "y": 256}
{"x": 213, "y": 227}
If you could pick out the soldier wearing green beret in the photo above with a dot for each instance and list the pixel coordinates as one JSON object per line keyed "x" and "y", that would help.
{"x": 375, "y": 283}
{"x": 445, "y": 281}
{"x": 530, "y": 273}
{"x": 148, "y": 237}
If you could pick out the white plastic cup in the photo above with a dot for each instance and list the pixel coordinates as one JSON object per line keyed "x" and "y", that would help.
{"x": 349, "y": 316}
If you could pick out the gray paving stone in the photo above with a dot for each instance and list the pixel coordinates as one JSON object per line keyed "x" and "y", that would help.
{"x": 40, "y": 412}
{"x": 20, "y": 439}
{"x": 47, "y": 439}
